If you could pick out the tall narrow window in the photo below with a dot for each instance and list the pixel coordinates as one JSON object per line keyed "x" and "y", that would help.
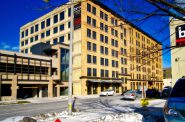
{"x": 94, "y": 10}
{"x": 61, "y": 39}
{"x": 62, "y": 16}
{"x": 48, "y": 22}
{"x": 69, "y": 12}
{"x": 88, "y": 7}
{"x": 88, "y": 71}
{"x": 55, "y": 20}
{"x": 42, "y": 24}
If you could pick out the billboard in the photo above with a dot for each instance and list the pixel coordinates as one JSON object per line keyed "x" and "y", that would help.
{"x": 77, "y": 16}
{"x": 180, "y": 35}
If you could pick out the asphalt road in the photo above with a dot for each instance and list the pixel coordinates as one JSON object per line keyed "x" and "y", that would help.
{"x": 83, "y": 104}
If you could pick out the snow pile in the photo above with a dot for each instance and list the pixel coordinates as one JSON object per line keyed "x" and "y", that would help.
{"x": 125, "y": 117}
{"x": 13, "y": 119}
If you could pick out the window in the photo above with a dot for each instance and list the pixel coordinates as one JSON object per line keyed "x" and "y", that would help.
{"x": 94, "y": 59}
{"x": 101, "y": 38}
{"x": 102, "y": 73}
{"x": 42, "y": 24}
{"x": 106, "y": 73}
{"x": 106, "y": 62}
{"x": 69, "y": 36}
{"x": 121, "y": 35}
{"x": 62, "y": 27}
{"x": 125, "y": 32}
{"x": 101, "y": 26}
{"x": 125, "y": 42}
{"x": 94, "y": 10}
{"x": 106, "y": 28}
{"x": 48, "y": 42}
{"x": 61, "y": 39}
{"x": 112, "y": 20}
{"x": 48, "y": 33}
{"x": 88, "y": 45}
{"x": 55, "y": 30}
{"x": 88, "y": 7}
{"x": 36, "y": 37}
{"x": 48, "y": 22}
{"x": 22, "y": 43}
{"x": 102, "y": 61}
{"x": 55, "y": 41}
{"x": 112, "y": 31}
{"x": 116, "y": 33}
{"x": 94, "y": 72}
{"x": 106, "y": 39}
{"x": 94, "y": 47}
{"x": 89, "y": 33}
{"x": 55, "y": 20}
{"x": 106, "y": 51}
{"x": 27, "y": 32}
{"x": 32, "y": 30}
{"x": 116, "y": 43}
{"x": 101, "y": 14}
{"x": 42, "y": 35}
{"x": 26, "y": 50}
{"x": 69, "y": 24}
{"x": 102, "y": 49}
{"x": 113, "y": 63}
{"x": 36, "y": 27}
{"x": 88, "y": 58}
{"x": 94, "y": 23}
{"x": 94, "y": 35}
{"x": 88, "y": 20}
{"x": 62, "y": 15}
{"x": 31, "y": 39}
{"x": 69, "y": 12}
{"x": 22, "y": 34}
{"x": 106, "y": 17}
{"x": 112, "y": 42}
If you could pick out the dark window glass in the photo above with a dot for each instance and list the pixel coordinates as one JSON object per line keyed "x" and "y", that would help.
{"x": 88, "y": 58}
{"x": 106, "y": 17}
{"x": 102, "y": 61}
{"x": 62, "y": 27}
{"x": 88, "y": 20}
{"x": 36, "y": 37}
{"x": 32, "y": 30}
{"x": 88, "y": 45}
{"x": 55, "y": 20}
{"x": 31, "y": 39}
{"x": 42, "y": 35}
{"x": 121, "y": 35}
{"x": 62, "y": 15}
{"x": 88, "y": 33}
{"x": 69, "y": 12}
{"x": 94, "y": 47}
{"x": 48, "y": 33}
{"x": 106, "y": 73}
{"x": 36, "y": 28}
{"x": 106, "y": 62}
{"x": 94, "y": 35}
{"x": 94, "y": 59}
{"x": 125, "y": 42}
{"x": 48, "y": 22}
{"x": 22, "y": 43}
{"x": 112, "y": 31}
{"x": 26, "y": 50}
{"x": 113, "y": 63}
{"x": 27, "y": 32}
{"x": 112, "y": 42}
{"x": 102, "y": 73}
{"x": 106, "y": 28}
{"x": 61, "y": 39}
{"x": 94, "y": 72}
{"x": 102, "y": 49}
{"x": 94, "y": 23}
{"x": 106, "y": 39}
{"x": 101, "y": 14}
{"x": 42, "y": 24}
{"x": 69, "y": 36}
{"x": 112, "y": 20}
{"x": 94, "y": 10}
{"x": 69, "y": 24}
{"x": 101, "y": 26}
{"x": 116, "y": 33}
{"x": 101, "y": 38}
{"x": 55, "y": 30}
{"x": 88, "y": 7}
{"x": 88, "y": 71}
{"x": 22, "y": 34}
{"x": 106, "y": 51}
{"x": 116, "y": 43}
{"x": 55, "y": 41}
{"x": 178, "y": 89}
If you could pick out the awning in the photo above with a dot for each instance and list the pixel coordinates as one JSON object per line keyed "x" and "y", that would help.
{"x": 105, "y": 81}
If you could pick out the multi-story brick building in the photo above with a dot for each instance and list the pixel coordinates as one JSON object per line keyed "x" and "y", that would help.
{"x": 108, "y": 50}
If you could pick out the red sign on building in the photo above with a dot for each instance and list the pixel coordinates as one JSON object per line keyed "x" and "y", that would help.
{"x": 180, "y": 35}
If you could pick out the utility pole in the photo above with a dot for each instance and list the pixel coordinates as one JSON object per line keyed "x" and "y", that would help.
{"x": 71, "y": 60}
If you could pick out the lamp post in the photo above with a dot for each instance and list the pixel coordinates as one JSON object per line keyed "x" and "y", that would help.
{"x": 70, "y": 60}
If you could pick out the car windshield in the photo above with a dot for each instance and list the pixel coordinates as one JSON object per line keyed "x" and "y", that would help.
{"x": 179, "y": 89}
{"x": 130, "y": 91}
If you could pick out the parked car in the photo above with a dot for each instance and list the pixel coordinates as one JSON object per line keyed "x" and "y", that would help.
{"x": 152, "y": 93}
{"x": 131, "y": 95}
{"x": 174, "y": 109}
{"x": 166, "y": 91}
{"x": 107, "y": 93}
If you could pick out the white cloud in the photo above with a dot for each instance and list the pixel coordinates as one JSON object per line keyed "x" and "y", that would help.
{"x": 5, "y": 46}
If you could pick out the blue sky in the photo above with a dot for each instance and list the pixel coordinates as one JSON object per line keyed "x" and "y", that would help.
{"x": 16, "y": 13}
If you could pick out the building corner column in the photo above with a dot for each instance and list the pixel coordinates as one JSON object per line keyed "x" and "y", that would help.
{"x": 50, "y": 87}
{"x": 58, "y": 90}
{"x": 14, "y": 88}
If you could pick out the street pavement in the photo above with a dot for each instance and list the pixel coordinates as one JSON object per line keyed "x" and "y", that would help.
{"x": 90, "y": 105}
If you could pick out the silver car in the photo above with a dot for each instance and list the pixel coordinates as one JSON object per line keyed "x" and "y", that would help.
{"x": 131, "y": 95}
